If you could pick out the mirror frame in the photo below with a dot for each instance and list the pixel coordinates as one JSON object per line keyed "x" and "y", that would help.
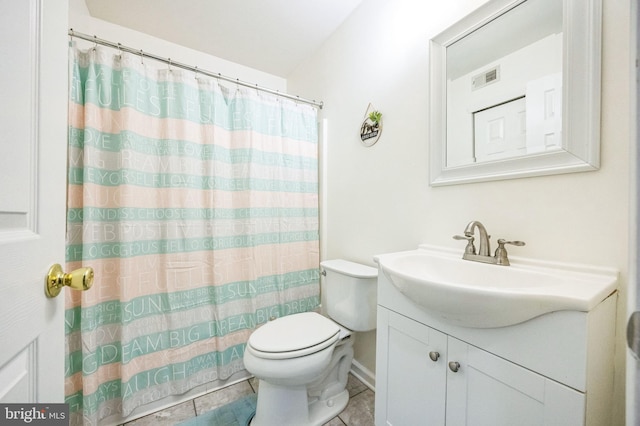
{"x": 581, "y": 72}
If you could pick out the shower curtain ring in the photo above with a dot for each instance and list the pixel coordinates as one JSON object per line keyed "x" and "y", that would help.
{"x": 141, "y": 57}
{"x": 95, "y": 40}
{"x": 195, "y": 69}
{"x": 169, "y": 59}
{"x": 119, "y": 51}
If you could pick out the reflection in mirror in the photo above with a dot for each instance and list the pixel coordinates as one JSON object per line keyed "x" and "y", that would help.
{"x": 515, "y": 91}
{"x": 504, "y": 86}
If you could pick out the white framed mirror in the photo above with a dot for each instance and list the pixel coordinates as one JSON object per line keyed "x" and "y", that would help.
{"x": 515, "y": 92}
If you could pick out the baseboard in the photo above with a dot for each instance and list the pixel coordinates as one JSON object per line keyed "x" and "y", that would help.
{"x": 363, "y": 374}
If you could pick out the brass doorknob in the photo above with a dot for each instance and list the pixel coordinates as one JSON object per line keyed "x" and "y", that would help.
{"x": 80, "y": 279}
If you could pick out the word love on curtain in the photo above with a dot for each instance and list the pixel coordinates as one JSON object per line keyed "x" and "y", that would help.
{"x": 197, "y": 206}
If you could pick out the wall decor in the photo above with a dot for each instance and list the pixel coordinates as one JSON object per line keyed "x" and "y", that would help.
{"x": 371, "y": 127}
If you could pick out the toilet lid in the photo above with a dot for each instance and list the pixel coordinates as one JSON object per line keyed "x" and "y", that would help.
{"x": 295, "y": 333}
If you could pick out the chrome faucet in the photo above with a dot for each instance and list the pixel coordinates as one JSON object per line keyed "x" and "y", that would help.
{"x": 500, "y": 256}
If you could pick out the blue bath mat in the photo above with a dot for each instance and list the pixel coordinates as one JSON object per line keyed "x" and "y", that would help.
{"x": 236, "y": 413}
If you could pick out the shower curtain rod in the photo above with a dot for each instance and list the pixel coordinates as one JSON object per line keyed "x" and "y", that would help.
{"x": 197, "y": 70}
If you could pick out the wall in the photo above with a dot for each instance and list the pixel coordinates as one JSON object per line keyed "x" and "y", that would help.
{"x": 81, "y": 21}
{"x": 378, "y": 200}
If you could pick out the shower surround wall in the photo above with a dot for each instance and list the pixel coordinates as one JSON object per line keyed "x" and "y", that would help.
{"x": 378, "y": 199}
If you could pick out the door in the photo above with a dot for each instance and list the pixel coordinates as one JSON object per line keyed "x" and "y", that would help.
{"x": 410, "y": 372}
{"x": 500, "y": 131}
{"x": 633, "y": 298}
{"x": 33, "y": 121}
{"x": 483, "y": 390}
{"x": 544, "y": 114}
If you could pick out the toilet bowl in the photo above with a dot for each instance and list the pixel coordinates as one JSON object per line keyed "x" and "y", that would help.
{"x": 303, "y": 360}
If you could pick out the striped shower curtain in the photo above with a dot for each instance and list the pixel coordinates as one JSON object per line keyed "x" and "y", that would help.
{"x": 197, "y": 207}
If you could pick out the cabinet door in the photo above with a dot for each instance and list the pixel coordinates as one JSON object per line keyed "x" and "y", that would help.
{"x": 490, "y": 391}
{"x": 410, "y": 386}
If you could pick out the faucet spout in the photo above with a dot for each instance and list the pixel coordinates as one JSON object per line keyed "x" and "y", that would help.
{"x": 483, "y": 249}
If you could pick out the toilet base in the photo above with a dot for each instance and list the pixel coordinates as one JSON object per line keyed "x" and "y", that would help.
{"x": 288, "y": 406}
{"x": 320, "y": 412}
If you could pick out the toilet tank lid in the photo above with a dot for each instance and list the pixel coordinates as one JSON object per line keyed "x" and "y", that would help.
{"x": 352, "y": 269}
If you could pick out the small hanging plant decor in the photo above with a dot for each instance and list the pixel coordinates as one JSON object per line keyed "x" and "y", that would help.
{"x": 371, "y": 127}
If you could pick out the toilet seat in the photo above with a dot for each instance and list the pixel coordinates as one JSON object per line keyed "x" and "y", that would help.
{"x": 293, "y": 336}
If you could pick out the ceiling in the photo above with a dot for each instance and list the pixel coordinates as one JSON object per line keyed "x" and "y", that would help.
{"x": 272, "y": 36}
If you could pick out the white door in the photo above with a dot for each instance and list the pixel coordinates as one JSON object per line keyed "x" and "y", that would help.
{"x": 633, "y": 301}
{"x": 33, "y": 121}
{"x": 500, "y": 132}
{"x": 544, "y": 114}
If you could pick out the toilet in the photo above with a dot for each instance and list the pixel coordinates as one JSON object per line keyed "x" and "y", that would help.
{"x": 302, "y": 360}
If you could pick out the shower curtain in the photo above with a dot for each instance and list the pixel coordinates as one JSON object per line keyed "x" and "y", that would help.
{"x": 197, "y": 207}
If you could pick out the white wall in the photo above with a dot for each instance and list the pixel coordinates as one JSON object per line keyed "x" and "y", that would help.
{"x": 81, "y": 21}
{"x": 378, "y": 199}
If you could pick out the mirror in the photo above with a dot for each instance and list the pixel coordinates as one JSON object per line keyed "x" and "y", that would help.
{"x": 515, "y": 91}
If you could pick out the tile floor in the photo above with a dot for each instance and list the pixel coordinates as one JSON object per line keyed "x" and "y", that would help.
{"x": 359, "y": 411}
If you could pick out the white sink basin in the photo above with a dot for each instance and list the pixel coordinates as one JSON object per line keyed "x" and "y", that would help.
{"x": 473, "y": 294}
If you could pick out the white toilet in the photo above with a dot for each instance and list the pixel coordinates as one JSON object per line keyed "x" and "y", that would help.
{"x": 302, "y": 360}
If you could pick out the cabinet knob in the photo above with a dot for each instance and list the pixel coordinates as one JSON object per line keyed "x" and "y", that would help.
{"x": 434, "y": 356}
{"x": 454, "y": 366}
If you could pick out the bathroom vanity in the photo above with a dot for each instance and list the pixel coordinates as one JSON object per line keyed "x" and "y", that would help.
{"x": 438, "y": 368}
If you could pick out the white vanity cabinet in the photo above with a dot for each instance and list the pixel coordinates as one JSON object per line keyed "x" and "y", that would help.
{"x": 417, "y": 386}
{"x": 556, "y": 369}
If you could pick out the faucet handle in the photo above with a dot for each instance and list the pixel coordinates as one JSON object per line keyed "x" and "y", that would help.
{"x": 501, "y": 252}
{"x": 470, "y": 248}
{"x": 502, "y": 242}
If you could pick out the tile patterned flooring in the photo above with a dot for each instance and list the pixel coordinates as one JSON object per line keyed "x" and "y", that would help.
{"x": 359, "y": 411}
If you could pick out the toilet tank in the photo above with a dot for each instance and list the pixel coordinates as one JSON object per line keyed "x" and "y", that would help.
{"x": 350, "y": 293}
